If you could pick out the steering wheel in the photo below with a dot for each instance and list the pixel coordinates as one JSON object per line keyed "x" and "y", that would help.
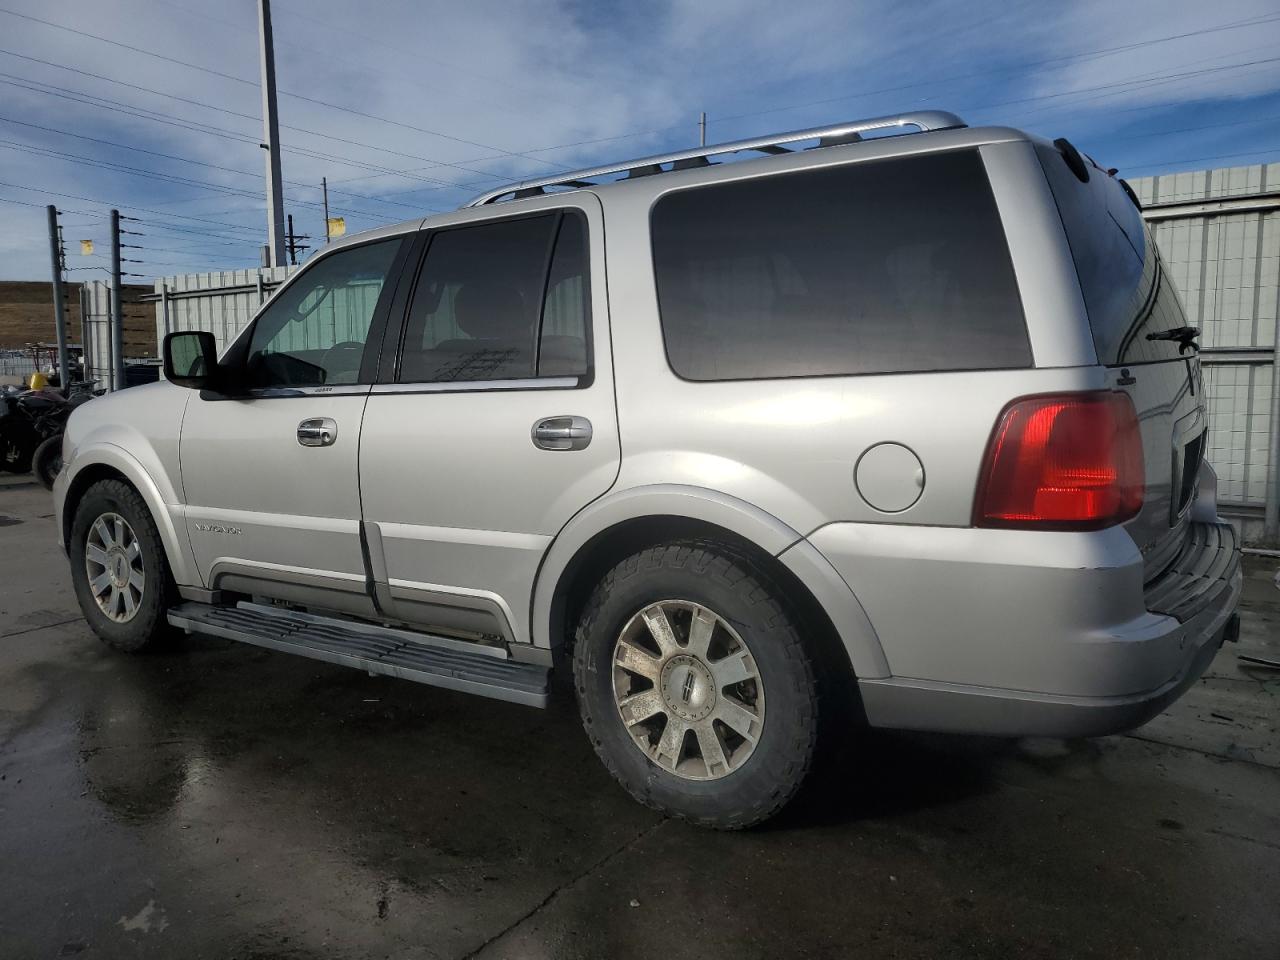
{"x": 341, "y": 360}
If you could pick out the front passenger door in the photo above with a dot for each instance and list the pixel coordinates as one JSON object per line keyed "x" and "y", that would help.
{"x": 270, "y": 474}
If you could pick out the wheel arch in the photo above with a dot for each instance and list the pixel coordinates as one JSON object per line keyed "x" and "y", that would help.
{"x": 109, "y": 462}
{"x": 617, "y": 526}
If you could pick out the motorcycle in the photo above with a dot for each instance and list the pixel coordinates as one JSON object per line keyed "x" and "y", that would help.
{"x": 31, "y": 425}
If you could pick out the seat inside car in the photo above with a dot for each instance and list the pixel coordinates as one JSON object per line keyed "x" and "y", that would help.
{"x": 498, "y": 342}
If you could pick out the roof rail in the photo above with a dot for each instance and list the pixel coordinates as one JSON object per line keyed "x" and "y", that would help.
{"x": 924, "y": 121}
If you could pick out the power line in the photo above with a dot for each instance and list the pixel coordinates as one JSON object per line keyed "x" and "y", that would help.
{"x": 162, "y": 213}
{"x": 137, "y": 171}
{"x": 1275, "y": 148}
{"x": 417, "y": 56}
{"x": 255, "y": 84}
{"x": 188, "y": 159}
{"x": 1037, "y": 114}
{"x": 1150, "y": 80}
{"x": 1084, "y": 55}
{"x": 145, "y": 113}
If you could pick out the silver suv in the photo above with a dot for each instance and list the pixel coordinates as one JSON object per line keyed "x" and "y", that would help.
{"x": 901, "y": 415}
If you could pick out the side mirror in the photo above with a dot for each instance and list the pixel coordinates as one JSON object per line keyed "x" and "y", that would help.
{"x": 190, "y": 358}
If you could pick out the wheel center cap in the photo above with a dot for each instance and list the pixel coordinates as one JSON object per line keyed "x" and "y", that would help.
{"x": 118, "y": 565}
{"x": 687, "y": 688}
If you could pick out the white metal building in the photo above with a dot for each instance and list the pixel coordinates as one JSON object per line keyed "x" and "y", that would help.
{"x": 1219, "y": 231}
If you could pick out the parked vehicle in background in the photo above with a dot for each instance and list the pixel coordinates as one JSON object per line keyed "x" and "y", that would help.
{"x": 31, "y": 424}
{"x": 912, "y": 422}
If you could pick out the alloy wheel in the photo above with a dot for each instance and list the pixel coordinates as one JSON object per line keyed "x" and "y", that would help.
{"x": 113, "y": 563}
{"x": 688, "y": 690}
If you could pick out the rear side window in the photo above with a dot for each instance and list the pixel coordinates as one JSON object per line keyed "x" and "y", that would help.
{"x": 505, "y": 300}
{"x": 1128, "y": 295}
{"x": 889, "y": 266}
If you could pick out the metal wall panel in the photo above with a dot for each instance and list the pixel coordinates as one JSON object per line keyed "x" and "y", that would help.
{"x": 225, "y": 300}
{"x": 1226, "y": 265}
{"x": 97, "y": 324}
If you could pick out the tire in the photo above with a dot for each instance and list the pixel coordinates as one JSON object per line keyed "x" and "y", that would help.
{"x": 146, "y": 627}
{"x": 699, "y": 580}
{"x": 46, "y": 462}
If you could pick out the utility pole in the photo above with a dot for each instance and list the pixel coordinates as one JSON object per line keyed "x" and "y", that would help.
{"x": 59, "y": 304}
{"x": 271, "y": 133}
{"x": 293, "y": 244}
{"x": 117, "y": 308}
{"x": 1271, "y": 512}
{"x": 702, "y": 129}
{"x": 324, "y": 186}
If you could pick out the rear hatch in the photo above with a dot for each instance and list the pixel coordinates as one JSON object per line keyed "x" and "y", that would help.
{"x": 1140, "y": 332}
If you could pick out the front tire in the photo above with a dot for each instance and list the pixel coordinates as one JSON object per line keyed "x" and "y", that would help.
{"x": 695, "y": 686}
{"x": 119, "y": 569}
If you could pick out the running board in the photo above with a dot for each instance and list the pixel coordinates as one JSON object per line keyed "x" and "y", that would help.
{"x": 424, "y": 658}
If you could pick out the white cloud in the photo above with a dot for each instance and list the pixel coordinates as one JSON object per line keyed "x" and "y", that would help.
{"x": 515, "y": 76}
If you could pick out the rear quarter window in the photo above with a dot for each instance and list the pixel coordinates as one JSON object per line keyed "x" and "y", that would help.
{"x": 887, "y": 266}
{"x": 1127, "y": 293}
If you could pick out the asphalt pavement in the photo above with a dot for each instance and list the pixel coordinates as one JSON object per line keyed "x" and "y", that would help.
{"x": 224, "y": 801}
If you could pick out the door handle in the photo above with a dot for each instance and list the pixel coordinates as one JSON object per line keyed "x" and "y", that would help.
{"x": 317, "y": 432}
{"x": 562, "y": 433}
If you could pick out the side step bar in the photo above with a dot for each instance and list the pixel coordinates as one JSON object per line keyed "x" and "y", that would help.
{"x": 437, "y": 661}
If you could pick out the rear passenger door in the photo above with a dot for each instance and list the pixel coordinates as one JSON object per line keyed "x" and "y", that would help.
{"x": 493, "y": 421}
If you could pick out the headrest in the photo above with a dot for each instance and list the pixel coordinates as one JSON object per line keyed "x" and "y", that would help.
{"x": 490, "y": 311}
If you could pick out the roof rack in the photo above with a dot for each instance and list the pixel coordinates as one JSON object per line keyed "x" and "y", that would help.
{"x": 924, "y": 121}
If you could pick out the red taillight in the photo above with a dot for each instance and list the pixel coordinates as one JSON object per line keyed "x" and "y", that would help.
{"x": 1063, "y": 462}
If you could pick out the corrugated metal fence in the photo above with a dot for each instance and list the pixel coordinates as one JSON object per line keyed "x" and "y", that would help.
{"x": 1219, "y": 232}
{"x": 222, "y": 302}
{"x": 95, "y": 313}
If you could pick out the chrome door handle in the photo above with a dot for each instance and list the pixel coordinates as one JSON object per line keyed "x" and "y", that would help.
{"x": 562, "y": 433}
{"x": 317, "y": 432}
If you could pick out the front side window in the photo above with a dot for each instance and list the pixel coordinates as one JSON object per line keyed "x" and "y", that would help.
{"x": 314, "y": 334}
{"x": 888, "y": 266}
{"x": 506, "y": 300}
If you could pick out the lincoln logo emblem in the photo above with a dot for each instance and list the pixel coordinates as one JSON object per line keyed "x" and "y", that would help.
{"x": 687, "y": 691}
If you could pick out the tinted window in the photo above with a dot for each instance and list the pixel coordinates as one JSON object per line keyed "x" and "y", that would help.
{"x": 500, "y": 301}
{"x": 881, "y": 267}
{"x": 1126, "y": 291}
{"x": 566, "y": 311}
{"x": 314, "y": 332}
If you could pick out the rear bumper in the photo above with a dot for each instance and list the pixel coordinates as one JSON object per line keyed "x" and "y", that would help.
{"x": 1009, "y": 633}
{"x": 954, "y": 708}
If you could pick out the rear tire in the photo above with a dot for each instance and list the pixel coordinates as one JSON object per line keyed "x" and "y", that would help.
{"x": 119, "y": 569}
{"x": 731, "y": 678}
{"x": 46, "y": 462}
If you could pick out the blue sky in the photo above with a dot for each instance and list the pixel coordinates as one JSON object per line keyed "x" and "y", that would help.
{"x": 410, "y": 107}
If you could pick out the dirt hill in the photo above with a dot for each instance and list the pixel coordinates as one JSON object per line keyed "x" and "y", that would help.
{"x": 26, "y": 316}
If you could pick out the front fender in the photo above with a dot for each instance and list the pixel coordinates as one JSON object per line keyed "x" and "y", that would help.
{"x": 737, "y": 516}
{"x": 169, "y": 515}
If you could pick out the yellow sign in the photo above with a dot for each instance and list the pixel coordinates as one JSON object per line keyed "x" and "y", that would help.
{"x": 337, "y": 226}
{"x": 86, "y": 248}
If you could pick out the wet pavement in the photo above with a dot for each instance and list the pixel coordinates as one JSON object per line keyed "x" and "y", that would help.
{"x": 224, "y": 801}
